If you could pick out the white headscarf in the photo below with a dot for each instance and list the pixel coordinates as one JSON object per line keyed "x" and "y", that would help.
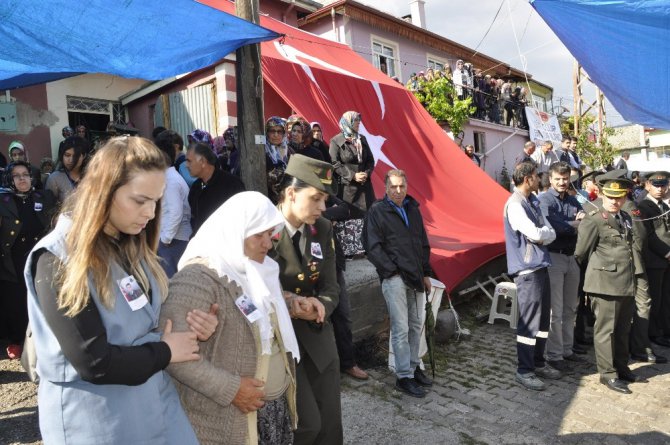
{"x": 220, "y": 241}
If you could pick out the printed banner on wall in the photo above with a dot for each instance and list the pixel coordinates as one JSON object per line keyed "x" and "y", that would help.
{"x": 543, "y": 127}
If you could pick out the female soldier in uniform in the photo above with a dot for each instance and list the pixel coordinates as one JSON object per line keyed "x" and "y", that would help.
{"x": 305, "y": 253}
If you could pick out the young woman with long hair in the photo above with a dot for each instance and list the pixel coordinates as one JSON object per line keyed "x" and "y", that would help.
{"x": 95, "y": 289}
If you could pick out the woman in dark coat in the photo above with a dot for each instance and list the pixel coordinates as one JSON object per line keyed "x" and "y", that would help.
{"x": 353, "y": 161}
{"x": 25, "y": 216}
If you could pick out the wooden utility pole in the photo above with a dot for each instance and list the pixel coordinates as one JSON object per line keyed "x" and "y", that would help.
{"x": 249, "y": 79}
{"x": 582, "y": 105}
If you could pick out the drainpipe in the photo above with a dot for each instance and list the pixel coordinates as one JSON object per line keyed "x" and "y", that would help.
{"x": 486, "y": 155}
{"x": 288, "y": 11}
{"x": 335, "y": 31}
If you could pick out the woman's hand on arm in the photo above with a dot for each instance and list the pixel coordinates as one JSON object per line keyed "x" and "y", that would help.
{"x": 183, "y": 345}
{"x": 250, "y": 395}
{"x": 203, "y": 324}
{"x": 318, "y": 308}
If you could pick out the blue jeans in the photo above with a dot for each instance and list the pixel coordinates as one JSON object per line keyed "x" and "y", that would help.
{"x": 407, "y": 314}
{"x": 170, "y": 255}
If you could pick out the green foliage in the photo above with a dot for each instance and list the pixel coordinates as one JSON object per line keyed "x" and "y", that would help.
{"x": 595, "y": 155}
{"x": 440, "y": 100}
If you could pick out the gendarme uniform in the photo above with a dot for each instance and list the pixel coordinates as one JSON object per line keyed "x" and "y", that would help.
{"x": 318, "y": 373}
{"x": 656, "y": 255}
{"x": 609, "y": 247}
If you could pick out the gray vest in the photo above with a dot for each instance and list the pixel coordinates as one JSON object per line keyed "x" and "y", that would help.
{"x": 73, "y": 411}
{"x": 521, "y": 253}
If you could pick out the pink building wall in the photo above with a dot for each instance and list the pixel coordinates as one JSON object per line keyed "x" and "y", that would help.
{"x": 280, "y": 11}
{"x": 33, "y": 121}
{"x": 411, "y": 57}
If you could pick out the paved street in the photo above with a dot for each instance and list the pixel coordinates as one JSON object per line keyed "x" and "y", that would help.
{"x": 474, "y": 401}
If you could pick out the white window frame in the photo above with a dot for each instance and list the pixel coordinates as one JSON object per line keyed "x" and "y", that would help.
{"x": 436, "y": 59}
{"x": 375, "y": 57}
{"x": 540, "y": 102}
{"x": 479, "y": 141}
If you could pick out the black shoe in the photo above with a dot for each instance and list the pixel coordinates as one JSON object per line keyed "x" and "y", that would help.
{"x": 661, "y": 341}
{"x": 630, "y": 377}
{"x": 660, "y": 359}
{"x": 409, "y": 387}
{"x": 649, "y": 358}
{"x": 616, "y": 385}
{"x": 578, "y": 349}
{"x": 574, "y": 358}
{"x": 558, "y": 364}
{"x": 421, "y": 379}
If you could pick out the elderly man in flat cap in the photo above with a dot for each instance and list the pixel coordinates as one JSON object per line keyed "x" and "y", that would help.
{"x": 655, "y": 212}
{"x": 607, "y": 242}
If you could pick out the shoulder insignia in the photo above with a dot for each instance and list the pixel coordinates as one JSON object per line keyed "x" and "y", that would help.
{"x": 593, "y": 212}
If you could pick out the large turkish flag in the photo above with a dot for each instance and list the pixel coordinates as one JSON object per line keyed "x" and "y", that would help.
{"x": 461, "y": 205}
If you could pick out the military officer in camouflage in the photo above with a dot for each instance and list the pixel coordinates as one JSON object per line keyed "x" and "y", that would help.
{"x": 305, "y": 252}
{"x": 610, "y": 249}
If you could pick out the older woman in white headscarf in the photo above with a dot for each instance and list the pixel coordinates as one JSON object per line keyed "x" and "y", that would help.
{"x": 243, "y": 388}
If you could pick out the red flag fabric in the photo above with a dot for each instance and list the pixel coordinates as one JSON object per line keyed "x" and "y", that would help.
{"x": 461, "y": 205}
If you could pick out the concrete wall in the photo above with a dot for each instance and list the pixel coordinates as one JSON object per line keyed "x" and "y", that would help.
{"x": 369, "y": 315}
{"x": 494, "y": 135}
{"x": 94, "y": 86}
{"x": 33, "y": 121}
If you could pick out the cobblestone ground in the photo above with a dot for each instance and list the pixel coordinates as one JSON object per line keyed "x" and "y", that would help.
{"x": 474, "y": 401}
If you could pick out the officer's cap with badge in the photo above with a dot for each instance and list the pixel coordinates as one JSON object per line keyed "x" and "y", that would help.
{"x": 658, "y": 178}
{"x": 614, "y": 184}
{"x": 318, "y": 174}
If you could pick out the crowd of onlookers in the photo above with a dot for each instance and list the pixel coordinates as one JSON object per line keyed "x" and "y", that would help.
{"x": 77, "y": 255}
{"x": 495, "y": 100}
{"x": 587, "y": 248}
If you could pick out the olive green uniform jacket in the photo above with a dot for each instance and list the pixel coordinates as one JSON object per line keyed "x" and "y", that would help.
{"x": 313, "y": 277}
{"x": 611, "y": 253}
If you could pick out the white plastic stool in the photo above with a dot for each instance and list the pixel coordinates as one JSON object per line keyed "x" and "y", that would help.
{"x": 503, "y": 292}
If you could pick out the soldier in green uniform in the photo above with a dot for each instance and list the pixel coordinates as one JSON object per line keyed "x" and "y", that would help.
{"x": 305, "y": 252}
{"x": 610, "y": 249}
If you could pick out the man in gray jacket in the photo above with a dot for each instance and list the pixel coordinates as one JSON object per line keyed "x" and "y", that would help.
{"x": 526, "y": 237}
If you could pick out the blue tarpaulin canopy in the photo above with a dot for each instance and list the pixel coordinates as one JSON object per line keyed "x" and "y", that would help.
{"x": 624, "y": 46}
{"x": 43, "y": 40}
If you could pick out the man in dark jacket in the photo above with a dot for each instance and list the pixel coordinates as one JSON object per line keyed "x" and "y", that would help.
{"x": 396, "y": 243}
{"x": 654, "y": 211}
{"x": 213, "y": 186}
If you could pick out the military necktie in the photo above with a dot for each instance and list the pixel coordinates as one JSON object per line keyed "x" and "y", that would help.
{"x": 296, "y": 245}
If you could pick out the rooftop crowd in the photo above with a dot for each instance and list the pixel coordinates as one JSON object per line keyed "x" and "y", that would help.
{"x": 495, "y": 100}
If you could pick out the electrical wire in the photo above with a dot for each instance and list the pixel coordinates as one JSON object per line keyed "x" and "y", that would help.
{"x": 489, "y": 28}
